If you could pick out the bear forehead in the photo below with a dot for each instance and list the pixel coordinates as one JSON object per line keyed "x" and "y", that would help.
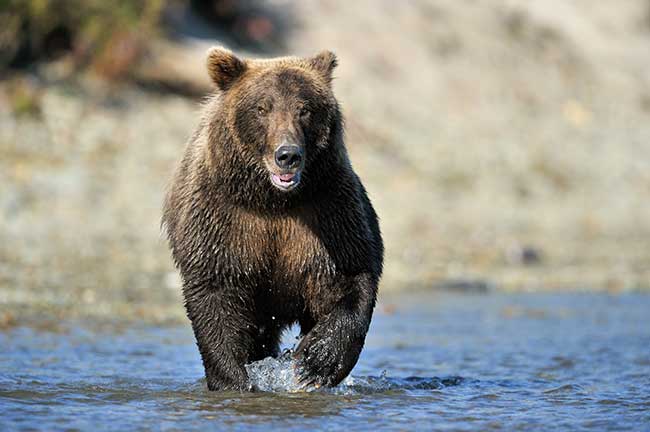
{"x": 284, "y": 75}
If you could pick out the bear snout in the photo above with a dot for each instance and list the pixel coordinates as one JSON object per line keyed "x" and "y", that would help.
{"x": 288, "y": 157}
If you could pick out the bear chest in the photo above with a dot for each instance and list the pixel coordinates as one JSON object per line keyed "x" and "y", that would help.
{"x": 287, "y": 250}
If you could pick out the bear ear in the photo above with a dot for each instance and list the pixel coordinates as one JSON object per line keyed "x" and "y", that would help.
{"x": 324, "y": 63}
{"x": 224, "y": 67}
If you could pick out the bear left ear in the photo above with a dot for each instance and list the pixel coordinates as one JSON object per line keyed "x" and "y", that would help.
{"x": 324, "y": 63}
{"x": 224, "y": 67}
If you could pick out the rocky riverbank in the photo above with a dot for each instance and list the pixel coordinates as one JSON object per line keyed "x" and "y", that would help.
{"x": 506, "y": 146}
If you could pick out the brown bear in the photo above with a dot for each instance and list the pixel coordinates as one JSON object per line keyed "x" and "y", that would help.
{"x": 270, "y": 226}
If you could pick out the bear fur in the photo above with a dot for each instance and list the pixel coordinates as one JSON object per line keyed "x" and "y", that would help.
{"x": 257, "y": 252}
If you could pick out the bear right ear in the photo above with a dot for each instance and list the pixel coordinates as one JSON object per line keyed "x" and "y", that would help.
{"x": 224, "y": 67}
{"x": 324, "y": 63}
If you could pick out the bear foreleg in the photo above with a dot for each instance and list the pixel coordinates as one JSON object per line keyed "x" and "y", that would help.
{"x": 329, "y": 351}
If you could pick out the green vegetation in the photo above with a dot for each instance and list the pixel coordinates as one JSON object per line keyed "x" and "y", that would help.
{"x": 108, "y": 36}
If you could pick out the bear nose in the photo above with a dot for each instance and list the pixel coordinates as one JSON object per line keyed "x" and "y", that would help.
{"x": 288, "y": 156}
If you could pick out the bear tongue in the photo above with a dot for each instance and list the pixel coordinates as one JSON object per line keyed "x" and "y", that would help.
{"x": 286, "y": 177}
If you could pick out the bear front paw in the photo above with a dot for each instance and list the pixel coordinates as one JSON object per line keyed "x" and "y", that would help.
{"x": 320, "y": 362}
{"x": 228, "y": 379}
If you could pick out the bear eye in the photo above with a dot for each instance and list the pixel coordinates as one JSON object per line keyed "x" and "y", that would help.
{"x": 261, "y": 110}
{"x": 304, "y": 112}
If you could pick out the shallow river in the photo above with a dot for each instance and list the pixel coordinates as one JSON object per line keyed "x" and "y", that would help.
{"x": 432, "y": 361}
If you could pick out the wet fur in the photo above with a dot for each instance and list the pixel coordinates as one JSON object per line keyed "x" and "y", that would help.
{"x": 255, "y": 260}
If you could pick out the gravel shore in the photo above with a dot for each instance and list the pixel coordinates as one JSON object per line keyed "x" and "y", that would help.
{"x": 506, "y": 146}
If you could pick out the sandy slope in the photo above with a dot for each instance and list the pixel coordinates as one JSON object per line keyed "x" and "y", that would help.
{"x": 502, "y": 141}
{"x": 488, "y": 126}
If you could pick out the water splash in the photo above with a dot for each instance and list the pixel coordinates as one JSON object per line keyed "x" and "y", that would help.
{"x": 384, "y": 383}
{"x": 279, "y": 375}
{"x": 275, "y": 374}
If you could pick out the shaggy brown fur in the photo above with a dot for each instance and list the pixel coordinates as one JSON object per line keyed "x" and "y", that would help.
{"x": 261, "y": 245}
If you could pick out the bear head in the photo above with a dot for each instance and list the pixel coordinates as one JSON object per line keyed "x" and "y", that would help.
{"x": 281, "y": 114}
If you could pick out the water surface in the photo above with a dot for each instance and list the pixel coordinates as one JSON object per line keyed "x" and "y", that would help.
{"x": 432, "y": 361}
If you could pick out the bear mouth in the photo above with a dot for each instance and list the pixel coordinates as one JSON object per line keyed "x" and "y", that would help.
{"x": 285, "y": 182}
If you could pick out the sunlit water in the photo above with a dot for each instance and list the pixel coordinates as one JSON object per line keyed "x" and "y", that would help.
{"x": 452, "y": 362}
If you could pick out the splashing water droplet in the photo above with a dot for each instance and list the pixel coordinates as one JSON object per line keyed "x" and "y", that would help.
{"x": 274, "y": 374}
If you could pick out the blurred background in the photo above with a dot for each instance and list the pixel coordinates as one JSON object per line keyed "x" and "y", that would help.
{"x": 504, "y": 143}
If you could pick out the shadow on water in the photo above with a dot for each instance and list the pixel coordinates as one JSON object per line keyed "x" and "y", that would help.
{"x": 304, "y": 404}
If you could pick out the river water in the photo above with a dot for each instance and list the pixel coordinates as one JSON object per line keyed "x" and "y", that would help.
{"x": 431, "y": 362}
